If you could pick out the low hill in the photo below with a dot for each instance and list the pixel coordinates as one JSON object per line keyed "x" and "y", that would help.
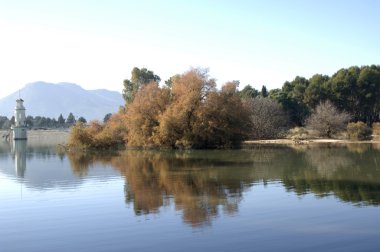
{"x": 50, "y": 100}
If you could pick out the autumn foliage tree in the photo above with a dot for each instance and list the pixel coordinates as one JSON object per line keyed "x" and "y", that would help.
{"x": 223, "y": 120}
{"x": 189, "y": 92}
{"x": 189, "y": 113}
{"x": 98, "y": 135}
{"x": 143, "y": 114}
{"x": 200, "y": 116}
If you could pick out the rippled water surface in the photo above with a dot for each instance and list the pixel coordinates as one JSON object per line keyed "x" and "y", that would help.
{"x": 265, "y": 198}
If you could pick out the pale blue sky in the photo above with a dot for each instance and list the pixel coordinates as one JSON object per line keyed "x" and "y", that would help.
{"x": 97, "y": 43}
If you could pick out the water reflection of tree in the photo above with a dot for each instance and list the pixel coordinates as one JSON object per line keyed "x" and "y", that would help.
{"x": 359, "y": 147}
{"x": 195, "y": 187}
{"x": 351, "y": 175}
{"x": 202, "y": 184}
{"x": 328, "y": 162}
{"x": 81, "y": 162}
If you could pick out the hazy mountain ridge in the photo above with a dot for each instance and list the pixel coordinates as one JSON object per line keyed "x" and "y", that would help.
{"x": 50, "y": 100}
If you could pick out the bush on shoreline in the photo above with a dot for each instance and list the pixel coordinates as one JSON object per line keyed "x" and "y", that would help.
{"x": 327, "y": 120}
{"x": 376, "y": 129}
{"x": 97, "y": 135}
{"x": 359, "y": 131}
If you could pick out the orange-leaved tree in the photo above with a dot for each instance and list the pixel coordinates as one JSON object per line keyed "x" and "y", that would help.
{"x": 223, "y": 120}
{"x": 189, "y": 93}
{"x": 143, "y": 113}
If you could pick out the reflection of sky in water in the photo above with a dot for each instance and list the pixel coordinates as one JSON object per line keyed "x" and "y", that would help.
{"x": 266, "y": 198}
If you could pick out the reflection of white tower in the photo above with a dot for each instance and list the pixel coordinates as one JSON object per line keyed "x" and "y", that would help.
{"x": 19, "y": 150}
{"x": 19, "y": 128}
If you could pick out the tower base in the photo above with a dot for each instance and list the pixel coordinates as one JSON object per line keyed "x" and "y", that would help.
{"x": 19, "y": 133}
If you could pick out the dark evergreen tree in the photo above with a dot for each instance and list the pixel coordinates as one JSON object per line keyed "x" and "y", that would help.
{"x": 264, "y": 91}
{"x": 107, "y": 117}
{"x": 61, "y": 120}
{"x": 70, "y": 119}
{"x": 248, "y": 92}
{"x": 3, "y": 120}
{"x": 139, "y": 78}
{"x": 82, "y": 120}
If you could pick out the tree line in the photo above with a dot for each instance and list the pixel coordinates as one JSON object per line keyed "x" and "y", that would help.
{"x": 189, "y": 111}
{"x": 355, "y": 90}
{"x": 42, "y": 121}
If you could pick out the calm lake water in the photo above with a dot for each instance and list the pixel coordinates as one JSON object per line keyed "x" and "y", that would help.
{"x": 265, "y": 198}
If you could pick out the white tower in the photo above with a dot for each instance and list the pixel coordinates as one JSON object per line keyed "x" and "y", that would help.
{"x": 19, "y": 128}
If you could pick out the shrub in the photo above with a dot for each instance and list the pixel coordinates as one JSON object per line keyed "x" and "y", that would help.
{"x": 97, "y": 135}
{"x": 298, "y": 133}
{"x": 376, "y": 129}
{"x": 327, "y": 120}
{"x": 359, "y": 131}
{"x": 80, "y": 137}
{"x": 268, "y": 119}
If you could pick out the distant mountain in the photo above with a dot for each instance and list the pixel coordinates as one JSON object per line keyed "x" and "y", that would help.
{"x": 50, "y": 100}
